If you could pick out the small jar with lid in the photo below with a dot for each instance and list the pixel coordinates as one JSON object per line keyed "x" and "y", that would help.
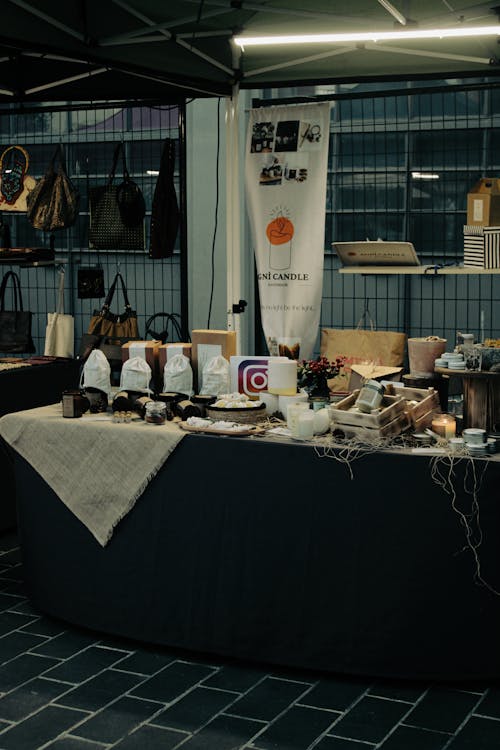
{"x": 370, "y": 396}
{"x": 155, "y": 412}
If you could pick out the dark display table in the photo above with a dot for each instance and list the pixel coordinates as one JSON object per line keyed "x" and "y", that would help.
{"x": 267, "y": 551}
{"x": 25, "y": 388}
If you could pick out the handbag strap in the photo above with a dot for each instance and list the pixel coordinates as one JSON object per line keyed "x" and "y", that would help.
{"x": 120, "y": 148}
{"x": 366, "y": 316}
{"x": 58, "y": 156}
{"x": 60, "y": 294}
{"x": 18, "y": 300}
{"x": 110, "y": 294}
{"x": 172, "y": 318}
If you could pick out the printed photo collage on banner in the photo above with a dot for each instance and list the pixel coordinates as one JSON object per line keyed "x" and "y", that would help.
{"x": 286, "y": 165}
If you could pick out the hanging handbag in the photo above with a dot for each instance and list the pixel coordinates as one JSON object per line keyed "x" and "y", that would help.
{"x": 117, "y": 212}
{"x": 15, "y": 325}
{"x": 108, "y": 331}
{"x": 53, "y": 202}
{"x": 165, "y": 209}
{"x": 60, "y": 330}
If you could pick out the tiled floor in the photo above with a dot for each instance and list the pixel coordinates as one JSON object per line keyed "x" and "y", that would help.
{"x": 69, "y": 689}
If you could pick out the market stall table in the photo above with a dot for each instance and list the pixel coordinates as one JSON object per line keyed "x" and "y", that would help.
{"x": 266, "y": 549}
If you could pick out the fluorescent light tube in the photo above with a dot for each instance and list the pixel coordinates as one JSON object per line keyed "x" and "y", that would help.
{"x": 369, "y": 36}
{"x": 425, "y": 175}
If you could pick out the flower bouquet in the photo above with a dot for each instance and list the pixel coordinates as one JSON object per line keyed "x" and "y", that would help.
{"x": 313, "y": 374}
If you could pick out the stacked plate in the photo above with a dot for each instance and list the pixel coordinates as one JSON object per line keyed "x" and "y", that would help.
{"x": 475, "y": 441}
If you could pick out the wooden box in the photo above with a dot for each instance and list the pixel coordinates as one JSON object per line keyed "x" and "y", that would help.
{"x": 421, "y": 404}
{"x": 393, "y": 428}
{"x": 345, "y": 413}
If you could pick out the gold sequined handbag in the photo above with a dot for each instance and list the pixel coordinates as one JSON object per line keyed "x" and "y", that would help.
{"x": 53, "y": 202}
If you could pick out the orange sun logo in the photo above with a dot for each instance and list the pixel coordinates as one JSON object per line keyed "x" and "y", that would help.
{"x": 279, "y": 230}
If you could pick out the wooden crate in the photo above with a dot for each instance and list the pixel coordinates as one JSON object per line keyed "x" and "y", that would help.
{"x": 427, "y": 404}
{"x": 370, "y": 434}
{"x": 345, "y": 413}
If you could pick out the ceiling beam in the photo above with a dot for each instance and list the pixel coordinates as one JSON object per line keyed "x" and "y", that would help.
{"x": 428, "y": 53}
{"x": 389, "y": 7}
{"x": 48, "y": 19}
{"x": 359, "y": 20}
{"x": 300, "y": 61}
{"x": 62, "y": 81}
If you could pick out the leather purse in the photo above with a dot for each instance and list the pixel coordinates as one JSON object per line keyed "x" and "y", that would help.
{"x": 15, "y": 325}
{"x": 107, "y": 330}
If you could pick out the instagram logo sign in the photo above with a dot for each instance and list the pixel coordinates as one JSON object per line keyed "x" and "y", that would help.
{"x": 252, "y": 376}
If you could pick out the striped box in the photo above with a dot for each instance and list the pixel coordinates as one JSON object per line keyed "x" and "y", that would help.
{"x": 481, "y": 246}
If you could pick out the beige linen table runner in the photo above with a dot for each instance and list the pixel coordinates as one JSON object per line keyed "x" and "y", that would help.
{"x": 98, "y": 468}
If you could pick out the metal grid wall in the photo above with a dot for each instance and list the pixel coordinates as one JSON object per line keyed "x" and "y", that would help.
{"x": 401, "y": 164}
{"x": 89, "y": 137}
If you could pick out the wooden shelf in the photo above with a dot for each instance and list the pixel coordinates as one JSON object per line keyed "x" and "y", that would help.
{"x": 429, "y": 270}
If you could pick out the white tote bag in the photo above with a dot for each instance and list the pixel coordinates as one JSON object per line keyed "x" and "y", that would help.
{"x": 60, "y": 329}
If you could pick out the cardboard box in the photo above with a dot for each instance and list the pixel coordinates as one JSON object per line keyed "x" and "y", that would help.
{"x": 208, "y": 344}
{"x": 167, "y": 351}
{"x": 249, "y": 374}
{"x": 483, "y": 203}
{"x": 481, "y": 246}
{"x": 360, "y": 373}
{"x": 148, "y": 350}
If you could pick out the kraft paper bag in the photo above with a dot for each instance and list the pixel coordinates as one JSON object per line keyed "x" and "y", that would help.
{"x": 360, "y": 346}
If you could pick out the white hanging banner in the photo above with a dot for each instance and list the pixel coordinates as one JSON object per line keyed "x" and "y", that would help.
{"x": 285, "y": 176}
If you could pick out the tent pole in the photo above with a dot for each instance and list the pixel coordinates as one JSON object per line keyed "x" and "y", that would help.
{"x": 233, "y": 216}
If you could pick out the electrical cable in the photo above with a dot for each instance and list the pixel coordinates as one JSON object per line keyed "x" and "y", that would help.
{"x": 216, "y": 215}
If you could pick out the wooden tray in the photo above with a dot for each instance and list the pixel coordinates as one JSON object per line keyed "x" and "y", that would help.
{"x": 250, "y": 430}
{"x": 392, "y": 406}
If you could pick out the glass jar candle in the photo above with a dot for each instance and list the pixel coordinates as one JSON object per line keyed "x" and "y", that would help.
{"x": 293, "y": 415}
{"x": 370, "y": 396}
{"x": 156, "y": 412}
{"x": 444, "y": 425}
{"x": 306, "y": 424}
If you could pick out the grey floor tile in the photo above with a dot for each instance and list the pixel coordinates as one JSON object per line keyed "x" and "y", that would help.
{"x": 85, "y": 664}
{"x": 335, "y": 694}
{"x": 442, "y": 709}
{"x": 13, "y": 620}
{"x": 172, "y": 681}
{"x": 370, "y": 719}
{"x": 195, "y": 709}
{"x": 23, "y": 668}
{"x": 268, "y": 699}
{"x": 100, "y": 690}
{"x": 490, "y": 704}
{"x": 30, "y": 697}
{"x": 45, "y": 626}
{"x": 297, "y": 729}
{"x": 340, "y": 743}
{"x": 15, "y": 643}
{"x": 117, "y": 720}
{"x": 236, "y": 678}
{"x": 43, "y": 726}
{"x": 477, "y": 734}
{"x": 65, "y": 644}
{"x": 224, "y": 733}
{"x": 398, "y": 691}
{"x": 412, "y": 738}
{"x": 151, "y": 738}
{"x": 74, "y": 743}
{"x": 144, "y": 661}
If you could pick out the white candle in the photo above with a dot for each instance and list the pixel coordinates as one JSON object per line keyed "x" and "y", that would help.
{"x": 293, "y": 414}
{"x": 306, "y": 424}
{"x": 282, "y": 377}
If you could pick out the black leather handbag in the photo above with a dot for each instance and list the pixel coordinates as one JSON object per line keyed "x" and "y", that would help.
{"x": 117, "y": 212}
{"x": 15, "y": 325}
